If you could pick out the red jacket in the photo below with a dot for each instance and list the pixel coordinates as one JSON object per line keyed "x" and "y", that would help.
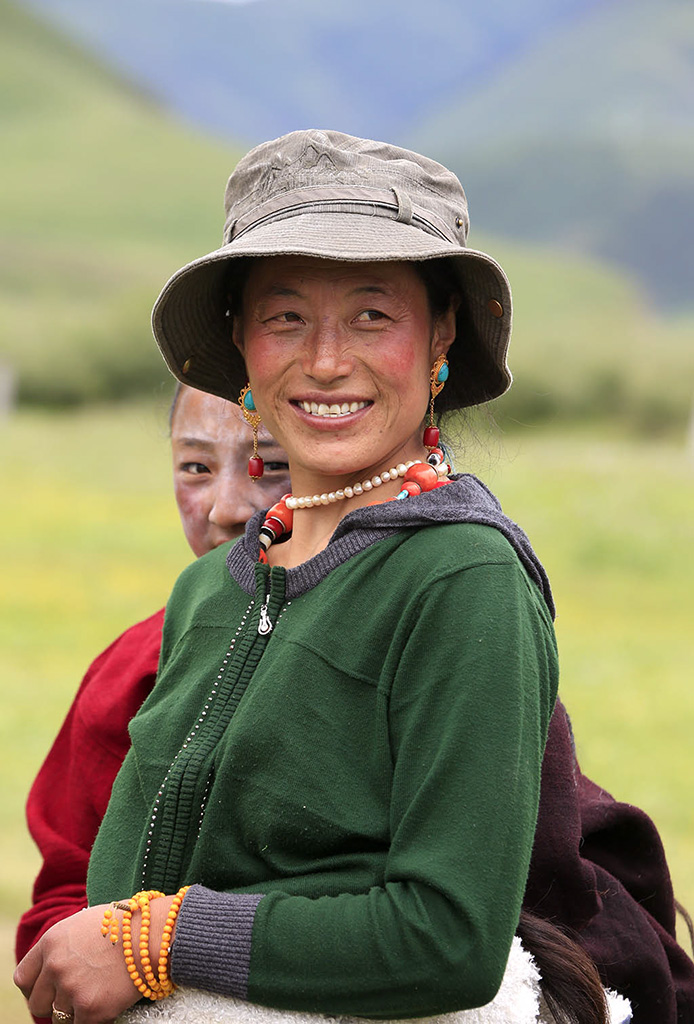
{"x": 598, "y": 865}
{"x": 73, "y": 787}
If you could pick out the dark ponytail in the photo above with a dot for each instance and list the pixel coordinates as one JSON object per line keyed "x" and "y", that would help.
{"x": 570, "y": 981}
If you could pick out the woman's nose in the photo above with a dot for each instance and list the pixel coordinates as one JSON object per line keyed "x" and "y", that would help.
{"x": 234, "y": 500}
{"x": 326, "y": 356}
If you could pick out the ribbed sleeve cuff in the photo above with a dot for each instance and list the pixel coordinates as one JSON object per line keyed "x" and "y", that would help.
{"x": 212, "y": 948}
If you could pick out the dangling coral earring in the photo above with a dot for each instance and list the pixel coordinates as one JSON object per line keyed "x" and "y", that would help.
{"x": 251, "y": 415}
{"x": 439, "y": 376}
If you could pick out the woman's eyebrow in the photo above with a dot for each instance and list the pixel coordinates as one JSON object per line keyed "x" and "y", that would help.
{"x": 360, "y": 289}
{"x": 194, "y": 442}
{"x": 281, "y": 290}
{"x": 378, "y": 289}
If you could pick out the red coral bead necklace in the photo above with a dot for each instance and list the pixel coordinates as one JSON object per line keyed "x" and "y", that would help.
{"x": 417, "y": 477}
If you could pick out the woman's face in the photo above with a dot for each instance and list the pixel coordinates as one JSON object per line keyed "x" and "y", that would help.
{"x": 211, "y": 444}
{"x": 339, "y": 357}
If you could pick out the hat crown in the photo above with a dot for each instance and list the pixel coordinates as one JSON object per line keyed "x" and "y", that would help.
{"x": 317, "y": 167}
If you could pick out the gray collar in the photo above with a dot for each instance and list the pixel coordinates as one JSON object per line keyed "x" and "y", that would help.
{"x": 464, "y": 500}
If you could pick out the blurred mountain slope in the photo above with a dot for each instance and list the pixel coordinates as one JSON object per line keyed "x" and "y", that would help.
{"x": 103, "y": 197}
{"x": 587, "y": 140}
{"x": 569, "y": 121}
{"x": 257, "y": 70}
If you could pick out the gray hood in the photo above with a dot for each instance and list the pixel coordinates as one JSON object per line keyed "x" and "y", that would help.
{"x": 464, "y": 500}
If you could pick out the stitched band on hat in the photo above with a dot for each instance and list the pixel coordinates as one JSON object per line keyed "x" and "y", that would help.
{"x": 350, "y": 199}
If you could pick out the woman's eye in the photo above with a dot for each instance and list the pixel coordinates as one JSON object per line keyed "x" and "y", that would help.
{"x": 368, "y": 316}
{"x": 287, "y": 318}
{"x": 277, "y": 467}
{"x": 195, "y": 468}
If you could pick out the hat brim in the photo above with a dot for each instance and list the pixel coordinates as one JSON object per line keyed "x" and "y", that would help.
{"x": 191, "y": 323}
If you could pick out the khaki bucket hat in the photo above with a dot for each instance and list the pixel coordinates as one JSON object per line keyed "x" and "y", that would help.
{"x": 337, "y": 197}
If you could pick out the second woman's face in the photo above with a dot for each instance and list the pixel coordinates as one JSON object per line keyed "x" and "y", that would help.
{"x": 211, "y": 444}
{"x": 339, "y": 357}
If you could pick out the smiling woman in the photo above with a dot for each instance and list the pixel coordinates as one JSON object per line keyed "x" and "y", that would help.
{"x": 339, "y": 358}
{"x": 338, "y": 772}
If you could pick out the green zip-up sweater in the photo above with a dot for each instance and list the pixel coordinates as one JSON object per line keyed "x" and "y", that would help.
{"x": 345, "y": 757}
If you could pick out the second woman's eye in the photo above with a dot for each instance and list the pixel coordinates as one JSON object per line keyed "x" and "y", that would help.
{"x": 195, "y": 468}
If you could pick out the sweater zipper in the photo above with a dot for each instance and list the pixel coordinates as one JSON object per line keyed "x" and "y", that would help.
{"x": 175, "y": 820}
{"x": 265, "y": 624}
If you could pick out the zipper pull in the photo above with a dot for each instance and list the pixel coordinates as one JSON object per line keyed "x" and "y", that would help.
{"x": 265, "y": 623}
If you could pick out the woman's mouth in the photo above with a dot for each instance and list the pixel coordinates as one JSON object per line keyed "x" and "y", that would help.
{"x": 333, "y": 411}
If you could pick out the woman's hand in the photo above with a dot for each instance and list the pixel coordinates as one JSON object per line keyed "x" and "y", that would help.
{"x": 76, "y": 970}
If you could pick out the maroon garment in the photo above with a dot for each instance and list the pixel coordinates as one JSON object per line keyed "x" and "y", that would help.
{"x": 598, "y": 866}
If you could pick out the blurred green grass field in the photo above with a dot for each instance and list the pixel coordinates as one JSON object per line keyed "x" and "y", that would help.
{"x": 91, "y": 542}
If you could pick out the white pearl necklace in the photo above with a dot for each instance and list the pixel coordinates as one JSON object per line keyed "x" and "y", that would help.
{"x": 328, "y": 497}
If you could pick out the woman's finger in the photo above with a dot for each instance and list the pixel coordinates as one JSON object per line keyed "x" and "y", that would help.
{"x": 44, "y": 995}
{"x": 27, "y": 971}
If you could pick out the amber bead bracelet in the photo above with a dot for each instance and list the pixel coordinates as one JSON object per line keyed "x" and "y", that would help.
{"x": 151, "y": 986}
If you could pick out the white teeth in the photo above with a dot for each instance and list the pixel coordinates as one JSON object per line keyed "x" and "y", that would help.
{"x": 323, "y": 409}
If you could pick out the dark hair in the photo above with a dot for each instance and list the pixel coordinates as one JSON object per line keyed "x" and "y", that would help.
{"x": 569, "y": 979}
{"x": 239, "y": 269}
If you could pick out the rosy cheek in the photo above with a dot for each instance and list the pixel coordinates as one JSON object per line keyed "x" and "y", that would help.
{"x": 191, "y": 506}
{"x": 182, "y": 495}
{"x": 397, "y": 361}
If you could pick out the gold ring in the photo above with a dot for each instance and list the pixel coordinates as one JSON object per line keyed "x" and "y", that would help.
{"x": 61, "y": 1014}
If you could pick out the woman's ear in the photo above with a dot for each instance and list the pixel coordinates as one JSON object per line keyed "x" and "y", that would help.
{"x": 444, "y": 331}
{"x": 237, "y": 333}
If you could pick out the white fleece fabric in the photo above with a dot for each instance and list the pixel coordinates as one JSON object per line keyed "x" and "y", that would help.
{"x": 518, "y": 1001}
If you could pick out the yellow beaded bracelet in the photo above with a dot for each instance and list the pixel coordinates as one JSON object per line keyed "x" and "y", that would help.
{"x": 150, "y": 986}
{"x": 163, "y": 965}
